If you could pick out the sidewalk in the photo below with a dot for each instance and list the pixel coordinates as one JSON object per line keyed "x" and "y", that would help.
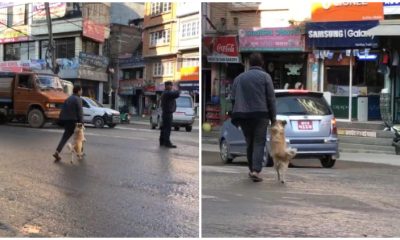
{"x": 344, "y": 156}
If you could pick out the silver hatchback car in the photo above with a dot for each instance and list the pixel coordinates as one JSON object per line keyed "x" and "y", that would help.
{"x": 311, "y": 128}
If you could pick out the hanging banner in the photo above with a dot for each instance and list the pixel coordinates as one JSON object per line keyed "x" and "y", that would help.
{"x": 222, "y": 49}
{"x": 15, "y": 34}
{"x": 57, "y": 10}
{"x": 190, "y": 73}
{"x": 93, "y": 30}
{"x": 341, "y": 34}
{"x": 271, "y": 39}
{"x": 346, "y": 11}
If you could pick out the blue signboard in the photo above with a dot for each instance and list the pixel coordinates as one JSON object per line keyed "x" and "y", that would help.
{"x": 341, "y": 35}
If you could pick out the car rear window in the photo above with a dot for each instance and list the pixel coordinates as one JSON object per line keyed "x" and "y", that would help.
{"x": 184, "y": 102}
{"x": 302, "y": 105}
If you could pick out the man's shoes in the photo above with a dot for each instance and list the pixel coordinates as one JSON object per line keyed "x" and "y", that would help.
{"x": 255, "y": 177}
{"x": 161, "y": 144}
{"x": 170, "y": 145}
{"x": 57, "y": 157}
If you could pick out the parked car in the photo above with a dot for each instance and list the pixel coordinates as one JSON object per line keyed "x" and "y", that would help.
{"x": 94, "y": 113}
{"x": 311, "y": 128}
{"x": 183, "y": 116}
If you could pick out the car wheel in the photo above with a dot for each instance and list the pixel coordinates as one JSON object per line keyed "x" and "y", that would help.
{"x": 152, "y": 126}
{"x": 36, "y": 118}
{"x": 224, "y": 152}
{"x": 176, "y": 128}
{"x": 327, "y": 162}
{"x": 188, "y": 128}
{"x": 112, "y": 125}
{"x": 98, "y": 122}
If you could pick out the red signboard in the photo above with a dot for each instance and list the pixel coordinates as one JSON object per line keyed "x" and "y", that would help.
{"x": 221, "y": 49}
{"x": 93, "y": 30}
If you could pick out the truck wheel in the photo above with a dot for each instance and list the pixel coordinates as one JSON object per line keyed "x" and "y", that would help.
{"x": 36, "y": 118}
{"x": 188, "y": 128}
{"x": 98, "y": 122}
{"x": 176, "y": 128}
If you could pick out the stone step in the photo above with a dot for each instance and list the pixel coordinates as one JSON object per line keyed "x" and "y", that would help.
{"x": 378, "y": 125}
{"x": 365, "y": 140}
{"x": 364, "y": 148}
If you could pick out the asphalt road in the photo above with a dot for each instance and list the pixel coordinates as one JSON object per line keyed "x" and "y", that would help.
{"x": 126, "y": 187}
{"x": 350, "y": 200}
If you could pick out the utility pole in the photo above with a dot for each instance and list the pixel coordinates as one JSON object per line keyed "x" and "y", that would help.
{"x": 50, "y": 55}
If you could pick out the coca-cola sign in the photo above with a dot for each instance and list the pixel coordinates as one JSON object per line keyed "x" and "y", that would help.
{"x": 221, "y": 49}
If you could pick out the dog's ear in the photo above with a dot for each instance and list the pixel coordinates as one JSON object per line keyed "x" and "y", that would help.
{"x": 284, "y": 122}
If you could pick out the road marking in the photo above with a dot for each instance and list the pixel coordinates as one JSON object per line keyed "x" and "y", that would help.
{"x": 219, "y": 169}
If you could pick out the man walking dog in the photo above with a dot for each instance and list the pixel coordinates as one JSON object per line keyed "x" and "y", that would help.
{"x": 168, "y": 106}
{"x": 71, "y": 114}
{"x": 253, "y": 106}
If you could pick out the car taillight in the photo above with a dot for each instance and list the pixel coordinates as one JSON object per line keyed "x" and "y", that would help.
{"x": 334, "y": 127}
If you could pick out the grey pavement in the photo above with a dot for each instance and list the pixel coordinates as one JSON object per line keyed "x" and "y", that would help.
{"x": 127, "y": 186}
{"x": 352, "y": 199}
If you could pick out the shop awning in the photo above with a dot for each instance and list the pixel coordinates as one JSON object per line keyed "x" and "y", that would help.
{"x": 385, "y": 30}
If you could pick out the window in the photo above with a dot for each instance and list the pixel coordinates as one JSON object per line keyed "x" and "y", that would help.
{"x": 184, "y": 102}
{"x": 89, "y": 46}
{"x": 65, "y": 48}
{"x": 43, "y": 48}
{"x": 25, "y": 81}
{"x": 190, "y": 29}
{"x": 158, "y": 8}
{"x": 19, "y": 51}
{"x": 17, "y": 15}
{"x": 163, "y": 69}
{"x": 302, "y": 105}
{"x": 159, "y": 38}
{"x": 190, "y": 62}
{"x": 85, "y": 104}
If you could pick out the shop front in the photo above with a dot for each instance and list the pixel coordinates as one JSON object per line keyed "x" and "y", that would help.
{"x": 88, "y": 70}
{"x": 283, "y": 50}
{"x": 190, "y": 83}
{"x": 131, "y": 95}
{"x": 347, "y": 64}
{"x": 222, "y": 56}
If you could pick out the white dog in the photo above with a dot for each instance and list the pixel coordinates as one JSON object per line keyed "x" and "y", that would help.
{"x": 78, "y": 139}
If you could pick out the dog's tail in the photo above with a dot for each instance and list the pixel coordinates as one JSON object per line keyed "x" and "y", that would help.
{"x": 291, "y": 152}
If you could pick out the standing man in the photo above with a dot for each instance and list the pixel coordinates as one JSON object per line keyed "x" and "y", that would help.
{"x": 71, "y": 114}
{"x": 168, "y": 107}
{"x": 253, "y": 107}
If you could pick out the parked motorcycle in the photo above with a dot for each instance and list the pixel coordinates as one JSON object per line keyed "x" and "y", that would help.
{"x": 124, "y": 114}
{"x": 396, "y": 140}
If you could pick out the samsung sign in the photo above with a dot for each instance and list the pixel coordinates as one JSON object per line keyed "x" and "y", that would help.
{"x": 391, "y": 8}
{"x": 340, "y": 34}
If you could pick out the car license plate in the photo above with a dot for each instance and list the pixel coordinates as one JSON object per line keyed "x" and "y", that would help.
{"x": 305, "y": 125}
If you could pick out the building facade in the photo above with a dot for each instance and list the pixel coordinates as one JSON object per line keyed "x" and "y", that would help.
{"x": 79, "y": 31}
{"x": 171, "y": 46}
{"x": 232, "y": 31}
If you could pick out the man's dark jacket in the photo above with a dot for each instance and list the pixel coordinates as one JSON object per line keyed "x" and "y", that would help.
{"x": 72, "y": 109}
{"x": 168, "y": 104}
